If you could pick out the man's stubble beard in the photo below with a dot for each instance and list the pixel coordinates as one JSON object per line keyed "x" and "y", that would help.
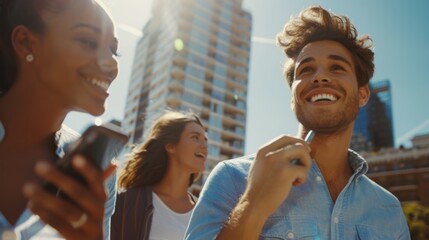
{"x": 329, "y": 121}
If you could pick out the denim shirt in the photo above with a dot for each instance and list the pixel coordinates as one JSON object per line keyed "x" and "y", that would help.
{"x": 363, "y": 210}
{"x": 29, "y": 226}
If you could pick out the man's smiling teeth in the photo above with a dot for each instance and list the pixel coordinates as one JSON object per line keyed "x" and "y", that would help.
{"x": 96, "y": 82}
{"x": 200, "y": 155}
{"x": 323, "y": 97}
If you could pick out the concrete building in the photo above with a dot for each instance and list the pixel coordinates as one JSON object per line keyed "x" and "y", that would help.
{"x": 194, "y": 55}
{"x": 404, "y": 172}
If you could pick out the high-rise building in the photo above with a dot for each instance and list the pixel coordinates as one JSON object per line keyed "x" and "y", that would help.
{"x": 373, "y": 127}
{"x": 194, "y": 55}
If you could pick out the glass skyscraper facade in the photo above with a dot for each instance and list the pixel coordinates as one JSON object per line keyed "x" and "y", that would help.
{"x": 194, "y": 55}
{"x": 373, "y": 127}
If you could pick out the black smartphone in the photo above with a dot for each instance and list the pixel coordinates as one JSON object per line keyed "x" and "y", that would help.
{"x": 99, "y": 144}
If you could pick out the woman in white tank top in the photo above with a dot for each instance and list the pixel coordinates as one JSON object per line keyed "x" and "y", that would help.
{"x": 164, "y": 166}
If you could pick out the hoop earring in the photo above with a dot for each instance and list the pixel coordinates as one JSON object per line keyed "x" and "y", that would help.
{"x": 29, "y": 57}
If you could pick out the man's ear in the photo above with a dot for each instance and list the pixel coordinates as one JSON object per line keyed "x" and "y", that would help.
{"x": 23, "y": 41}
{"x": 364, "y": 94}
{"x": 170, "y": 148}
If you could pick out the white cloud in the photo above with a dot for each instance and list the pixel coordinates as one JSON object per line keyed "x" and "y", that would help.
{"x": 263, "y": 40}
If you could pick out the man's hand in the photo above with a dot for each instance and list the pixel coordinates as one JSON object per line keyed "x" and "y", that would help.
{"x": 271, "y": 177}
{"x": 272, "y": 174}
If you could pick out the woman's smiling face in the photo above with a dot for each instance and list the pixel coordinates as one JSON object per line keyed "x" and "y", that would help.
{"x": 75, "y": 55}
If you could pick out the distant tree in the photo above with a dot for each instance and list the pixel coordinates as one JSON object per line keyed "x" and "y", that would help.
{"x": 418, "y": 220}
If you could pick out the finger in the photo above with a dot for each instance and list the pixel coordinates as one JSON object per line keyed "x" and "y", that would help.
{"x": 92, "y": 175}
{"x": 76, "y": 191}
{"x": 60, "y": 214}
{"x": 278, "y": 143}
{"x": 300, "y": 175}
{"x": 292, "y": 152}
{"x": 63, "y": 181}
{"x": 65, "y": 228}
{"x": 56, "y": 212}
{"x": 95, "y": 186}
{"x": 60, "y": 224}
{"x": 296, "y": 174}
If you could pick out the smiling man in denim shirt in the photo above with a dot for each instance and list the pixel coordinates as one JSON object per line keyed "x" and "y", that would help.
{"x": 326, "y": 195}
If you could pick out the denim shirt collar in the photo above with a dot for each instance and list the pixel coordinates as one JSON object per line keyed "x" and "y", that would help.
{"x": 63, "y": 138}
{"x": 358, "y": 164}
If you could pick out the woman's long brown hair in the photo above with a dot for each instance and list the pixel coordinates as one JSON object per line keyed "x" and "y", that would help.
{"x": 147, "y": 164}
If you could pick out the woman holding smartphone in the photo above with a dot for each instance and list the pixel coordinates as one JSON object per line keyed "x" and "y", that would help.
{"x": 155, "y": 203}
{"x": 56, "y": 56}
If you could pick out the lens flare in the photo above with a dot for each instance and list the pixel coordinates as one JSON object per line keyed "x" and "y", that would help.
{"x": 178, "y": 44}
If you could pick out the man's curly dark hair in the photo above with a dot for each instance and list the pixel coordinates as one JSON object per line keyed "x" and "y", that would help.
{"x": 316, "y": 24}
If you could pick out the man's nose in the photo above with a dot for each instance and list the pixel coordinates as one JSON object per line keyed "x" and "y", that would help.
{"x": 321, "y": 76}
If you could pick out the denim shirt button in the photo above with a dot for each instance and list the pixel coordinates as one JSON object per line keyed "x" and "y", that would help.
{"x": 335, "y": 220}
{"x": 290, "y": 235}
{"x": 318, "y": 178}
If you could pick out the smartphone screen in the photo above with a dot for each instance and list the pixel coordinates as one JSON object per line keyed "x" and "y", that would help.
{"x": 99, "y": 144}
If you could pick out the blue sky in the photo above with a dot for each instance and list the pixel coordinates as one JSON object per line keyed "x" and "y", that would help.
{"x": 398, "y": 28}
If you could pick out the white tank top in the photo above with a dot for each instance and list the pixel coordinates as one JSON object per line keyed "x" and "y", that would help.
{"x": 167, "y": 224}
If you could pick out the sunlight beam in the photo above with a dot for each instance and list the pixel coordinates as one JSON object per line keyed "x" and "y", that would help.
{"x": 408, "y": 135}
{"x": 130, "y": 29}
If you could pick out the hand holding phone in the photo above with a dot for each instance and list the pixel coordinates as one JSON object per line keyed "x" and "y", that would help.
{"x": 98, "y": 144}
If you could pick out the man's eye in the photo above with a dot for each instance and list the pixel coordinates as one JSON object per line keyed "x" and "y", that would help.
{"x": 337, "y": 67}
{"x": 305, "y": 70}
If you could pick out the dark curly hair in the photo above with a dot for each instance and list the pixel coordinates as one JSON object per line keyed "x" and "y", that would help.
{"x": 315, "y": 24}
